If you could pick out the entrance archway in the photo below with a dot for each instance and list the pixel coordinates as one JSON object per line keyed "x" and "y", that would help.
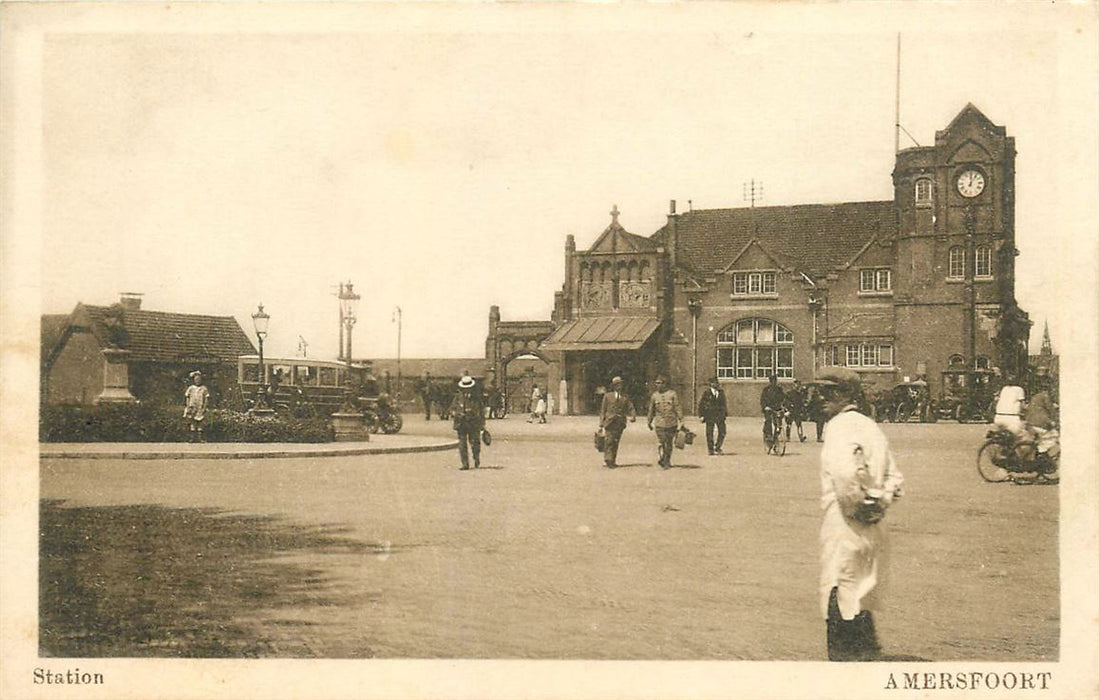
{"x": 519, "y": 373}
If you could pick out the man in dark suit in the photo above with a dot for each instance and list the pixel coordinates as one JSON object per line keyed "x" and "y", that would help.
{"x": 713, "y": 411}
{"x": 466, "y": 410}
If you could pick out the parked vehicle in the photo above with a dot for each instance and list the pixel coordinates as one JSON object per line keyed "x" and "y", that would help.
{"x": 967, "y": 396}
{"x": 910, "y": 401}
{"x": 304, "y": 387}
{"x": 1004, "y": 458}
{"x": 380, "y": 412}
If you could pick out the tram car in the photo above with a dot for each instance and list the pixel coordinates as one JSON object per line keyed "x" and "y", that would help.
{"x": 307, "y": 388}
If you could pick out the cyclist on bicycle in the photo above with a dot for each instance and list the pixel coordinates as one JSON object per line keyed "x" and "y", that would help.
{"x": 770, "y": 401}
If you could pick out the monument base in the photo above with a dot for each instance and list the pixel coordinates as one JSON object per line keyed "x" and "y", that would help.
{"x": 115, "y": 395}
{"x": 350, "y": 427}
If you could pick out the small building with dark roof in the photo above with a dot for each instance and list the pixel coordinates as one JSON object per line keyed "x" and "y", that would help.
{"x": 892, "y": 289}
{"x": 124, "y": 353}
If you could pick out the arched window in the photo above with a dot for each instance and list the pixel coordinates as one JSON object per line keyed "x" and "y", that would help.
{"x": 924, "y": 192}
{"x": 983, "y": 362}
{"x": 956, "y": 269}
{"x": 956, "y": 362}
{"x": 755, "y": 348}
{"x": 984, "y": 261}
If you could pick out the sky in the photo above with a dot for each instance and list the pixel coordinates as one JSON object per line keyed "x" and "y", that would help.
{"x": 440, "y": 166}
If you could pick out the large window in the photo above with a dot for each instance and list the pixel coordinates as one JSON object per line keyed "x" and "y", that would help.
{"x": 984, "y": 261}
{"x": 753, "y": 283}
{"x": 755, "y": 348}
{"x": 875, "y": 279}
{"x": 956, "y": 269}
{"x": 924, "y": 192}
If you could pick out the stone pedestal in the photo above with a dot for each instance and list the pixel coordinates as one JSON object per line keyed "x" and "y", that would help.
{"x": 116, "y": 377}
{"x": 350, "y": 427}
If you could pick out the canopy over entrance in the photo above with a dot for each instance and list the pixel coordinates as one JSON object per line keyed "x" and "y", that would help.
{"x": 602, "y": 333}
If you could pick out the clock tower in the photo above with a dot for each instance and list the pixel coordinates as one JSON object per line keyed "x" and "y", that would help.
{"x": 955, "y": 266}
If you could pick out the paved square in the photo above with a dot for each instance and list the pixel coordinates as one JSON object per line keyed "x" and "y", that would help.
{"x": 545, "y": 554}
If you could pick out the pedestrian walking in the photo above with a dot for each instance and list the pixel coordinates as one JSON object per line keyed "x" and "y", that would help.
{"x": 469, "y": 420}
{"x": 815, "y": 411}
{"x": 712, "y": 410}
{"x": 859, "y": 481}
{"x": 795, "y": 403}
{"x": 535, "y": 397}
{"x": 427, "y": 393}
{"x": 540, "y": 409}
{"x": 195, "y": 401}
{"x": 615, "y": 410}
{"x": 665, "y": 417}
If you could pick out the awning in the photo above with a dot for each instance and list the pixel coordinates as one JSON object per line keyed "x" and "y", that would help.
{"x": 602, "y": 333}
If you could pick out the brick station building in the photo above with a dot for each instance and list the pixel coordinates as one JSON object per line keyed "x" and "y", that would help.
{"x": 894, "y": 289}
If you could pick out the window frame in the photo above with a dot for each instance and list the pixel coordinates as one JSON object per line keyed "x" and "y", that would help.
{"x": 984, "y": 251}
{"x": 742, "y": 358}
{"x": 755, "y": 283}
{"x": 871, "y": 280}
{"x": 869, "y": 355}
{"x": 951, "y": 263}
{"x": 927, "y": 200}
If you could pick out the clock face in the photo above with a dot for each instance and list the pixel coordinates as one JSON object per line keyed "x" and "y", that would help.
{"x": 971, "y": 183}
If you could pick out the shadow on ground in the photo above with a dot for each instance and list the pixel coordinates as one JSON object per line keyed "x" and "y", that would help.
{"x": 151, "y": 581}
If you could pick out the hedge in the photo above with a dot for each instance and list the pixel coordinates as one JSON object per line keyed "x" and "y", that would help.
{"x": 147, "y": 423}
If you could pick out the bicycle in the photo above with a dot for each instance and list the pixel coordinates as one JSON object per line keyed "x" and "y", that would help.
{"x": 775, "y": 440}
{"x": 1004, "y": 458}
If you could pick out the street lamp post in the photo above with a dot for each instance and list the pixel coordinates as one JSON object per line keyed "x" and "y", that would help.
{"x": 348, "y": 300}
{"x": 260, "y": 320}
{"x": 397, "y": 311}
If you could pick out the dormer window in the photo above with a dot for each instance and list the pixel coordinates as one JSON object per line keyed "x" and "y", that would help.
{"x": 754, "y": 283}
{"x": 875, "y": 280}
{"x": 924, "y": 192}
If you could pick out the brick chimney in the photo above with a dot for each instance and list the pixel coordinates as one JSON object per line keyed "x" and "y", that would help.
{"x": 130, "y": 301}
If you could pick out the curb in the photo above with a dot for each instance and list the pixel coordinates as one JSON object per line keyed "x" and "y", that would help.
{"x": 253, "y": 454}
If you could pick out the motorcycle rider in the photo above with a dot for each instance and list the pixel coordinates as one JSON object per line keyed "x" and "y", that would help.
{"x": 1040, "y": 412}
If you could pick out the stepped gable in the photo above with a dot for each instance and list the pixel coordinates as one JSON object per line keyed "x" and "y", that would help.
{"x": 812, "y": 238}
{"x": 159, "y": 336}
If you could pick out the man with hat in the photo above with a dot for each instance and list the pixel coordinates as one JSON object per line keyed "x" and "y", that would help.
{"x": 196, "y": 399}
{"x": 713, "y": 411}
{"x": 613, "y": 413}
{"x": 469, "y": 420}
{"x": 665, "y": 417}
{"x": 859, "y": 481}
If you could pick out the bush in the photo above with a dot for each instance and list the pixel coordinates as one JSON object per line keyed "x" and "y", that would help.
{"x": 145, "y": 423}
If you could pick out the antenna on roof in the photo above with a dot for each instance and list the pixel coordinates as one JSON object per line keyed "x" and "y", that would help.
{"x": 752, "y": 191}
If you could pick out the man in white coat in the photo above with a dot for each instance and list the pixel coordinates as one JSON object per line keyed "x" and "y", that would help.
{"x": 859, "y": 481}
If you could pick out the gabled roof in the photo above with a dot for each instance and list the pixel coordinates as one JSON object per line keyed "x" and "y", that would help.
{"x": 970, "y": 112}
{"x": 813, "y": 238}
{"x": 160, "y": 336}
{"x": 617, "y": 239}
{"x": 53, "y": 328}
